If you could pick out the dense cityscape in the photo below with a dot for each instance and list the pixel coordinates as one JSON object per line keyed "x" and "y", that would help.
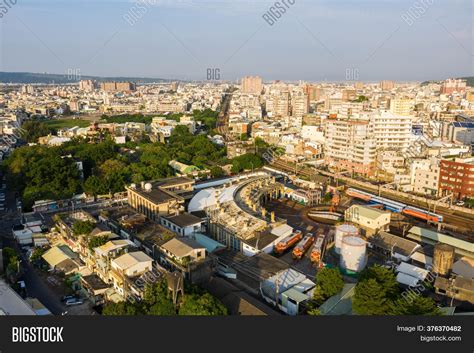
{"x": 248, "y": 197}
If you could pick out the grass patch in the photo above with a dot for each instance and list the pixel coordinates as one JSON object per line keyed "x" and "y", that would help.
{"x": 67, "y": 123}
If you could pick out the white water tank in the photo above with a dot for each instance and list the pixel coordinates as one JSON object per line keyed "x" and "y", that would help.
{"x": 342, "y": 231}
{"x": 148, "y": 187}
{"x": 353, "y": 254}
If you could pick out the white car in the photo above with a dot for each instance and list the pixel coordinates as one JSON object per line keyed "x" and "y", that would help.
{"x": 74, "y": 301}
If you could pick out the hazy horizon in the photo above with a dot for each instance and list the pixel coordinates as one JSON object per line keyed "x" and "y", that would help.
{"x": 313, "y": 41}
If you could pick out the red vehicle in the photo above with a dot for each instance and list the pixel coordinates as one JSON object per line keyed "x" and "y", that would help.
{"x": 318, "y": 248}
{"x": 303, "y": 246}
{"x": 288, "y": 242}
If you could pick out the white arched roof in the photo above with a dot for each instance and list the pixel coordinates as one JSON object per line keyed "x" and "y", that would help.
{"x": 207, "y": 198}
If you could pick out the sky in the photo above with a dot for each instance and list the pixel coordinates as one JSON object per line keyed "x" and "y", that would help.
{"x": 333, "y": 40}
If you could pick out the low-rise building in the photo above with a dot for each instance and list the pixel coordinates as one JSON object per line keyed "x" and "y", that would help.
{"x": 369, "y": 219}
{"x": 127, "y": 267}
{"x": 184, "y": 224}
{"x": 160, "y": 198}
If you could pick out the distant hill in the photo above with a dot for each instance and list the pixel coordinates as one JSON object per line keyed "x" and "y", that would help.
{"x": 469, "y": 81}
{"x": 29, "y": 77}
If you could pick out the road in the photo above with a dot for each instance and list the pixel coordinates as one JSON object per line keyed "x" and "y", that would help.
{"x": 35, "y": 285}
{"x": 223, "y": 119}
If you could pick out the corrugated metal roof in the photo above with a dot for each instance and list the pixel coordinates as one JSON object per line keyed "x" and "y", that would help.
{"x": 55, "y": 256}
{"x": 442, "y": 238}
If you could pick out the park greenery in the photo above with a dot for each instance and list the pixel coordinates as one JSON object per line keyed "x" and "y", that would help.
{"x": 157, "y": 301}
{"x": 378, "y": 293}
{"x": 41, "y": 172}
{"x": 34, "y": 129}
{"x": 51, "y": 172}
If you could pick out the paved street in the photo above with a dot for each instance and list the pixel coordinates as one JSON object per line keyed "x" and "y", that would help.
{"x": 35, "y": 285}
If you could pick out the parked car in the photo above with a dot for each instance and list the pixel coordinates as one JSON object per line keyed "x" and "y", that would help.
{"x": 74, "y": 301}
{"x": 67, "y": 297}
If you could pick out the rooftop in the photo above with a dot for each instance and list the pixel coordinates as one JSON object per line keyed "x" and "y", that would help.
{"x": 183, "y": 220}
{"x": 11, "y": 303}
{"x": 367, "y": 212}
{"x": 394, "y": 243}
{"x": 422, "y": 234}
{"x": 181, "y": 247}
{"x": 131, "y": 259}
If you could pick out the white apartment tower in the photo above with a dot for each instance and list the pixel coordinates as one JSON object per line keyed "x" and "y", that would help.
{"x": 392, "y": 132}
{"x": 350, "y": 145}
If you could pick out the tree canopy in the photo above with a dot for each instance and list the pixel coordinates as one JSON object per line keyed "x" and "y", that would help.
{"x": 34, "y": 129}
{"x": 378, "y": 293}
{"x": 203, "y": 305}
{"x": 329, "y": 282}
{"x": 82, "y": 227}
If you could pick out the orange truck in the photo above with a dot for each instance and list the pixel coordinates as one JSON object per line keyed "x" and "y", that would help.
{"x": 303, "y": 246}
{"x": 288, "y": 242}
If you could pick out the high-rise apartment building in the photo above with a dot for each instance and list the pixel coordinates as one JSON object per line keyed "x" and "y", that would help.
{"x": 27, "y": 89}
{"x": 350, "y": 145}
{"x": 117, "y": 86}
{"x": 299, "y": 104}
{"x": 453, "y": 85}
{"x": 402, "y": 106}
{"x": 278, "y": 104}
{"x": 457, "y": 177}
{"x": 391, "y": 132}
{"x": 386, "y": 85}
{"x": 252, "y": 85}
{"x": 87, "y": 85}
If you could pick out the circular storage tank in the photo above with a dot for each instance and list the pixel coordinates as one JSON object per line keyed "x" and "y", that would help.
{"x": 342, "y": 231}
{"x": 353, "y": 254}
{"x": 443, "y": 259}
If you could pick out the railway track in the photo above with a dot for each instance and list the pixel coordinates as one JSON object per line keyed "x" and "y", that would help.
{"x": 454, "y": 221}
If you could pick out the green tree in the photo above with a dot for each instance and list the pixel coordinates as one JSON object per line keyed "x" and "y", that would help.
{"x": 157, "y": 300}
{"x": 201, "y": 305}
{"x": 33, "y": 129}
{"x": 217, "y": 172}
{"x": 96, "y": 241}
{"x": 8, "y": 254}
{"x": 246, "y": 162}
{"x": 94, "y": 186}
{"x": 385, "y": 277}
{"x": 370, "y": 298}
{"x": 82, "y": 227}
{"x": 416, "y": 305}
{"x": 37, "y": 254}
{"x": 120, "y": 309}
{"x": 329, "y": 282}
